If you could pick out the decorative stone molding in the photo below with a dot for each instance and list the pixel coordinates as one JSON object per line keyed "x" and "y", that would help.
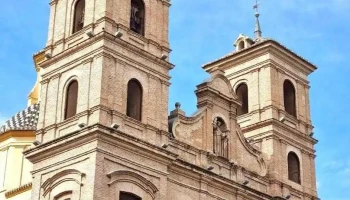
{"x": 65, "y": 122}
{"x": 165, "y": 82}
{"x": 278, "y": 124}
{"x": 133, "y": 178}
{"x": 233, "y": 114}
{"x": 151, "y": 76}
{"x": 69, "y": 175}
{"x": 258, "y": 69}
{"x": 53, "y": 2}
{"x": 19, "y": 190}
{"x": 166, "y": 2}
{"x": 120, "y": 61}
{"x": 135, "y": 123}
{"x": 150, "y": 41}
{"x": 104, "y": 54}
{"x": 45, "y": 81}
{"x": 152, "y": 128}
{"x": 88, "y": 60}
{"x": 178, "y": 144}
{"x": 58, "y": 42}
{"x": 102, "y": 108}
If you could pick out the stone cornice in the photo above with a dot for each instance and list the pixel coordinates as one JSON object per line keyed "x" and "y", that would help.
{"x": 263, "y": 64}
{"x": 283, "y": 69}
{"x": 142, "y": 52}
{"x": 261, "y": 48}
{"x": 137, "y": 36}
{"x": 275, "y": 108}
{"x": 80, "y": 60}
{"x": 53, "y": 2}
{"x": 88, "y": 134}
{"x": 23, "y": 144}
{"x": 77, "y": 35}
{"x": 291, "y": 188}
{"x": 45, "y": 81}
{"x": 106, "y": 36}
{"x": 212, "y": 93}
{"x": 247, "y": 70}
{"x": 166, "y": 2}
{"x": 260, "y": 124}
{"x": 113, "y": 54}
{"x": 188, "y": 169}
{"x": 19, "y": 190}
{"x": 17, "y": 133}
{"x": 103, "y": 50}
{"x": 38, "y": 58}
{"x": 155, "y": 153}
{"x": 102, "y": 133}
{"x": 283, "y": 138}
{"x": 66, "y": 121}
{"x": 176, "y": 143}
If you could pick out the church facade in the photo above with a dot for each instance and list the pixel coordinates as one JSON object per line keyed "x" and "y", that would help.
{"x": 103, "y": 130}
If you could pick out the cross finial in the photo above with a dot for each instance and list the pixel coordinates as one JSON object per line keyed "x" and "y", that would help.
{"x": 257, "y": 23}
{"x": 256, "y": 6}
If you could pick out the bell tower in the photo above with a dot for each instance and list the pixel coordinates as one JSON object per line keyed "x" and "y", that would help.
{"x": 106, "y": 46}
{"x": 104, "y": 89}
{"x": 272, "y": 84}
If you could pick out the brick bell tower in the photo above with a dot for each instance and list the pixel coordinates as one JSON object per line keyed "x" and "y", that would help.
{"x": 272, "y": 83}
{"x": 104, "y": 94}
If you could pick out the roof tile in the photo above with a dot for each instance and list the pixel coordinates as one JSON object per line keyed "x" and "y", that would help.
{"x": 26, "y": 119}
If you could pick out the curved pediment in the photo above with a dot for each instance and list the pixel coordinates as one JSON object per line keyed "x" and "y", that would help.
{"x": 214, "y": 128}
{"x": 189, "y": 129}
{"x": 134, "y": 178}
{"x": 70, "y": 177}
{"x": 255, "y": 155}
{"x": 221, "y": 84}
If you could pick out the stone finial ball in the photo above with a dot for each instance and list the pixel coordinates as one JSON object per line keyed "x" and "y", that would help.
{"x": 177, "y": 105}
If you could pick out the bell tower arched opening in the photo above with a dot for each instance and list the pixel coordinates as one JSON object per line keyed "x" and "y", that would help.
{"x": 289, "y": 98}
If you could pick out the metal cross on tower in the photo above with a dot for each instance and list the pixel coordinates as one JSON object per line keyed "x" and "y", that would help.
{"x": 257, "y": 31}
{"x": 256, "y": 6}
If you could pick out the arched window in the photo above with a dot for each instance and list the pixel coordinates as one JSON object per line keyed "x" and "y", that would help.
{"x": 64, "y": 196}
{"x": 128, "y": 196}
{"x": 289, "y": 98}
{"x": 293, "y": 167}
{"x": 241, "y": 45}
{"x": 242, "y": 93}
{"x": 137, "y": 16}
{"x": 71, "y": 100}
{"x": 79, "y": 13}
{"x": 134, "y": 101}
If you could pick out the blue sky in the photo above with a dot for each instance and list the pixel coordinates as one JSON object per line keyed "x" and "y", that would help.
{"x": 202, "y": 31}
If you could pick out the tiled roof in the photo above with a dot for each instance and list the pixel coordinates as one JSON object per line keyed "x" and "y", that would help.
{"x": 260, "y": 41}
{"x": 27, "y": 119}
{"x": 256, "y": 41}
